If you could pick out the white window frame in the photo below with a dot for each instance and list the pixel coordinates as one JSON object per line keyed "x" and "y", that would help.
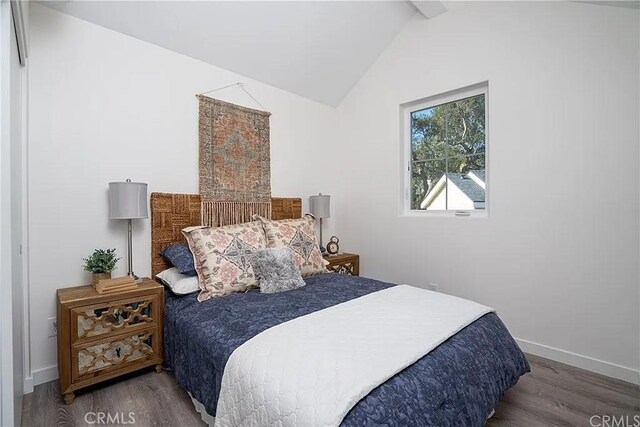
{"x": 405, "y": 151}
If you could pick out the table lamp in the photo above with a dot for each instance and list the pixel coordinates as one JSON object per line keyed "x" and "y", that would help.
{"x": 128, "y": 200}
{"x": 319, "y": 207}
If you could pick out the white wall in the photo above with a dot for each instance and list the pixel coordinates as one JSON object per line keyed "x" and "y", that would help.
{"x": 558, "y": 258}
{"x": 105, "y": 107}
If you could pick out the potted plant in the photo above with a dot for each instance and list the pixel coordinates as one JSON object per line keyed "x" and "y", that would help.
{"x": 101, "y": 263}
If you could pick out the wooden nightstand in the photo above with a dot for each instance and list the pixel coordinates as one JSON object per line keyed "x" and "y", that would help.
{"x": 344, "y": 263}
{"x": 103, "y": 336}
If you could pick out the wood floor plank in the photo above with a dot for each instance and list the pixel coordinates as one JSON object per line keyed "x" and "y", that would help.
{"x": 545, "y": 406}
{"x": 568, "y": 376}
{"x": 511, "y": 416}
{"x": 553, "y": 394}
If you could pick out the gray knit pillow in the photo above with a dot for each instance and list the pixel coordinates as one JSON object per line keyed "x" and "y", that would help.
{"x": 276, "y": 271}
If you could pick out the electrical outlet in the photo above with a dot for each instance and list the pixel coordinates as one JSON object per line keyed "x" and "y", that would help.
{"x": 433, "y": 287}
{"x": 52, "y": 327}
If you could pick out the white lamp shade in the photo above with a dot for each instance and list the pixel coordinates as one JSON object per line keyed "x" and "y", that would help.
{"x": 128, "y": 200}
{"x": 319, "y": 206}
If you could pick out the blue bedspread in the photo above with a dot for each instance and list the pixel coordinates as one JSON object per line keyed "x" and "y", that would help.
{"x": 456, "y": 384}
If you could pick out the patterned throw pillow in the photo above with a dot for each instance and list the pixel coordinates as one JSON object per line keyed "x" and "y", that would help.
{"x": 223, "y": 257}
{"x": 298, "y": 234}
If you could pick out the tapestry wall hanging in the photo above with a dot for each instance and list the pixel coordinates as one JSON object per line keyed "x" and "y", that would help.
{"x": 234, "y": 162}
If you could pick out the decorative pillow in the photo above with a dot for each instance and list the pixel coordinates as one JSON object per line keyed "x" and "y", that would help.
{"x": 180, "y": 257}
{"x": 223, "y": 256}
{"x": 276, "y": 271}
{"x": 180, "y": 284}
{"x": 299, "y": 235}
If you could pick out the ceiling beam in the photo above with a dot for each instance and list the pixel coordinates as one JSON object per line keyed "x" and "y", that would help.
{"x": 430, "y": 9}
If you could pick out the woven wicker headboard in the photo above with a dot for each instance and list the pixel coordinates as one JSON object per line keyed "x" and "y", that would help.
{"x": 171, "y": 212}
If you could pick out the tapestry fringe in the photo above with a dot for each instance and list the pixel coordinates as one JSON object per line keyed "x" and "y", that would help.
{"x": 217, "y": 214}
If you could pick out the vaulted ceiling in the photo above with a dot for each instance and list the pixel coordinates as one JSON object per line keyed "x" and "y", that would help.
{"x": 316, "y": 49}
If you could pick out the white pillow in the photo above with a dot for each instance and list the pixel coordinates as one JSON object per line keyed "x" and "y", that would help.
{"x": 180, "y": 284}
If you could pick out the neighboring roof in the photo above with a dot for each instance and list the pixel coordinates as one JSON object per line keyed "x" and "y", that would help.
{"x": 471, "y": 187}
{"x": 468, "y": 186}
{"x": 478, "y": 173}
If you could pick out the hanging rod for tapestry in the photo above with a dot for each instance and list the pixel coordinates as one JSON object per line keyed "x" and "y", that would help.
{"x": 241, "y": 86}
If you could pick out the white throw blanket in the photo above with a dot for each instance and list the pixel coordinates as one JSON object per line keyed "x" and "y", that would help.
{"x": 312, "y": 370}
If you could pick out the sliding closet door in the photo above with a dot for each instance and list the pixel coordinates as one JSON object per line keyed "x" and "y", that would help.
{"x": 11, "y": 283}
{"x": 17, "y": 293}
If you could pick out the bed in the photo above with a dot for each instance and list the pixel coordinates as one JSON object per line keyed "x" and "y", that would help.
{"x": 457, "y": 383}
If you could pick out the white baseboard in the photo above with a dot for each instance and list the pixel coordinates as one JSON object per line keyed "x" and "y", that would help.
{"x": 44, "y": 375}
{"x": 579, "y": 361}
{"x": 27, "y": 385}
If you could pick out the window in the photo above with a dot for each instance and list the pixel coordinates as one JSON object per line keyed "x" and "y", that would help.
{"x": 445, "y": 154}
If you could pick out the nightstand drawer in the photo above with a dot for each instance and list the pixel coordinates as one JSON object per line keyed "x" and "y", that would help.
{"x": 343, "y": 263}
{"x": 114, "y": 353}
{"x": 345, "y": 268}
{"x": 91, "y": 321}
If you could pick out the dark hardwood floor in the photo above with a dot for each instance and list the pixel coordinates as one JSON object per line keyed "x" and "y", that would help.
{"x": 553, "y": 394}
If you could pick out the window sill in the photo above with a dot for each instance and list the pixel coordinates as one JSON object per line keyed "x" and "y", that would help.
{"x": 445, "y": 214}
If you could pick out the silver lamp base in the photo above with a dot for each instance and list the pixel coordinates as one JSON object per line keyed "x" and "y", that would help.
{"x": 130, "y": 273}
{"x": 323, "y": 250}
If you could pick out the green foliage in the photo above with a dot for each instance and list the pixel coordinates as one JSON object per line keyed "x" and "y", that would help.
{"x": 101, "y": 261}
{"x": 446, "y": 138}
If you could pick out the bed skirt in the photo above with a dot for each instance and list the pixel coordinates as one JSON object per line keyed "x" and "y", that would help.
{"x": 204, "y": 415}
{"x": 210, "y": 419}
